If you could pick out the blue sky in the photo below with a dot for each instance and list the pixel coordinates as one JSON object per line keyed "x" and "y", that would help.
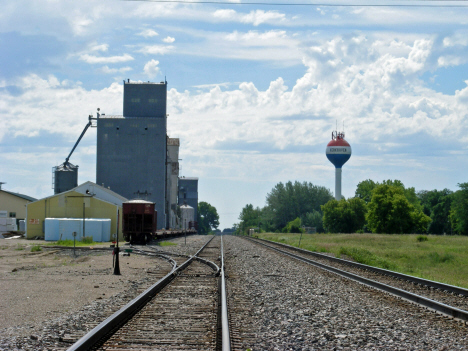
{"x": 254, "y": 90}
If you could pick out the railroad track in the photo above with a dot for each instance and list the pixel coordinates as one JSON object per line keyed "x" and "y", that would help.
{"x": 449, "y": 300}
{"x": 179, "y": 312}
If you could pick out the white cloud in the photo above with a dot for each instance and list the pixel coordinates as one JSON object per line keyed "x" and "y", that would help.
{"x": 226, "y": 14}
{"x": 256, "y": 17}
{"x": 210, "y": 86}
{"x": 254, "y": 38}
{"x": 151, "y": 68}
{"x": 102, "y": 47}
{"x": 168, "y": 40}
{"x": 447, "y": 61}
{"x": 156, "y": 49}
{"x": 56, "y": 100}
{"x": 107, "y": 70}
{"x": 148, "y": 33}
{"x": 110, "y": 59}
{"x": 378, "y": 93}
{"x": 268, "y": 46}
{"x": 373, "y": 82}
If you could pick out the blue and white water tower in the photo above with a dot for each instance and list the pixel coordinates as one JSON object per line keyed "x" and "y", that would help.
{"x": 338, "y": 152}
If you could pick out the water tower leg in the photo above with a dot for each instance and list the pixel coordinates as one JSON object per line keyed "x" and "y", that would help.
{"x": 338, "y": 184}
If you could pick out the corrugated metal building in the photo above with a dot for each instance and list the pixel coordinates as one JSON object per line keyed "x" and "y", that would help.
{"x": 173, "y": 145}
{"x": 188, "y": 193}
{"x": 132, "y": 149}
{"x": 87, "y": 200}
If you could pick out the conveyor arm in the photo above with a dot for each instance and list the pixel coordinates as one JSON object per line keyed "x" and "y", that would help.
{"x": 79, "y": 139}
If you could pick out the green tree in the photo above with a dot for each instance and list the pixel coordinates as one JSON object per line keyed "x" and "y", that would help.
{"x": 288, "y": 201}
{"x": 207, "y": 218}
{"x": 437, "y": 204}
{"x": 364, "y": 190}
{"x": 344, "y": 216}
{"x": 249, "y": 217}
{"x": 459, "y": 210}
{"x": 314, "y": 219}
{"x": 390, "y": 212}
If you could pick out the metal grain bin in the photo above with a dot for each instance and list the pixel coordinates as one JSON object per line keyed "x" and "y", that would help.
{"x": 65, "y": 177}
{"x": 187, "y": 215}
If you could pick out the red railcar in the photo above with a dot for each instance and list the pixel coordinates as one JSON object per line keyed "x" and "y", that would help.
{"x": 139, "y": 221}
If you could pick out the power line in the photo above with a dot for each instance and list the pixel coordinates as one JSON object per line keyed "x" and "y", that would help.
{"x": 422, "y": 3}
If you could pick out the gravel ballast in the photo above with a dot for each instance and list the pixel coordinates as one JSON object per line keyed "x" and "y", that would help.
{"x": 289, "y": 305}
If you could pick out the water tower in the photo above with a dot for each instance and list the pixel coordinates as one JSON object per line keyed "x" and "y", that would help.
{"x": 338, "y": 152}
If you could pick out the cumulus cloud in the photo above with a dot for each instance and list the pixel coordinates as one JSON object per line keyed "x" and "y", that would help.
{"x": 102, "y": 47}
{"x": 151, "y": 68}
{"x": 148, "y": 33}
{"x": 56, "y": 98}
{"x": 110, "y": 59}
{"x": 168, "y": 40}
{"x": 373, "y": 83}
{"x": 447, "y": 61}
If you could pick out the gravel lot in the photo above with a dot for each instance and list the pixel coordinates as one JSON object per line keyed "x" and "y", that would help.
{"x": 50, "y": 296}
{"x": 280, "y": 310}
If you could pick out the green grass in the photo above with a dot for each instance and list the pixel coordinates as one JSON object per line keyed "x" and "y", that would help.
{"x": 36, "y": 248}
{"x": 166, "y": 243}
{"x": 69, "y": 242}
{"x": 437, "y": 257}
{"x": 19, "y": 247}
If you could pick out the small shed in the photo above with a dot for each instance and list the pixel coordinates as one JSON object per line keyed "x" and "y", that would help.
{"x": 87, "y": 201}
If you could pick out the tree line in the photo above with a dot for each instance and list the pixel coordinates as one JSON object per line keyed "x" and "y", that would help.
{"x": 387, "y": 207}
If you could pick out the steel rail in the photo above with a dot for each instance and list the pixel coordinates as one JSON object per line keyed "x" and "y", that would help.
{"x": 420, "y": 300}
{"x": 430, "y": 283}
{"x": 165, "y": 257}
{"x": 226, "y": 338}
{"x": 126, "y": 312}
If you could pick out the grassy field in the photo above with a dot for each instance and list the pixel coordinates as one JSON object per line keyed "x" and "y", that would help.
{"x": 440, "y": 258}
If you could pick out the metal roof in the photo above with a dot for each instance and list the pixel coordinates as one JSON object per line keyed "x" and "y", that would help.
{"x": 25, "y": 197}
{"x": 83, "y": 186}
{"x": 140, "y": 201}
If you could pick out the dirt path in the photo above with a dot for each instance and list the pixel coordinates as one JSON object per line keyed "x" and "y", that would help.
{"x": 37, "y": 286}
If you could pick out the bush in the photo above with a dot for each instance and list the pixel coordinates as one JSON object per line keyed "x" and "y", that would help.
{"x": 293, "y": 226}
{"x": 422, "y": 238}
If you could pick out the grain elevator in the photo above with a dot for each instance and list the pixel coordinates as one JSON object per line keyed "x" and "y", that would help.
{"x": 132, "y": 149}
